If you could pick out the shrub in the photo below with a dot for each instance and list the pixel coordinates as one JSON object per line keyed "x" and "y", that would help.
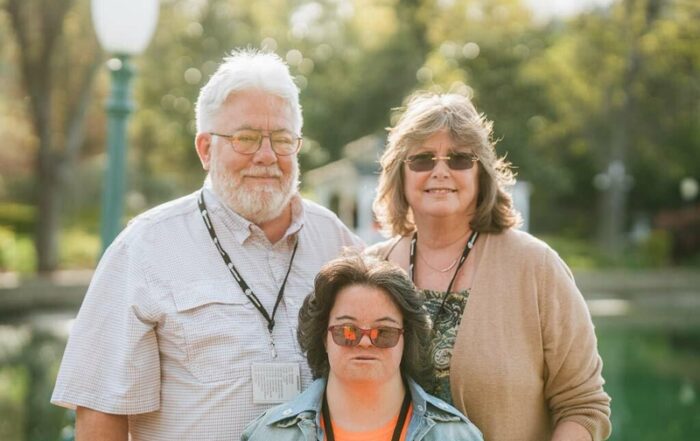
{"x": 19, "y": 217}
{"x": 16, "y": 252}
{"x": 78, "y": 249}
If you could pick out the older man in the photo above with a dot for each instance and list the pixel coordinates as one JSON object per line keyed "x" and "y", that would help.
{"x": 187, "y": 331}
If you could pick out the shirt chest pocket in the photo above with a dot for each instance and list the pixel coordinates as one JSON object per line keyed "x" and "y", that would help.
{"x": 223, "y": 331}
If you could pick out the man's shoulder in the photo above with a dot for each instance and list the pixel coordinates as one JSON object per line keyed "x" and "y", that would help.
{"x": 322, "y": 223}
{"x": 158, "y": 221}
{"x": 314, "y": 211}
{"x": 167, "y": 210}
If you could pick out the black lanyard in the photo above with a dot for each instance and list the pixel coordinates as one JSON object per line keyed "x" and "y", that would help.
{"x": 397, "y": 430}
{"x": 412, "y": 262}
{"x": 237, "y": 276}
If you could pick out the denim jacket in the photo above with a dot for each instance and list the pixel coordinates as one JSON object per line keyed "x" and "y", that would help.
{"x": 300, "y": 419}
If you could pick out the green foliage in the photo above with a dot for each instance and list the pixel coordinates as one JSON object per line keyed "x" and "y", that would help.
{"x": 27, "y": 374}
{"x": 27, "y": 377}
{"x": 577, "y": 253}
{"x": 655, "y": 250}
{"x": 620, "y": 82}
{"x": 563, "y": 96}
{"x": 19, "y": 217}
{"x": 40, "y": 359}
{"x": 12, "y": 390}
{"x": 652, "y": 252}
{"x": 79, "y": 249}
{"x": 16, "y": 252}
{"x": 7, "y": 238}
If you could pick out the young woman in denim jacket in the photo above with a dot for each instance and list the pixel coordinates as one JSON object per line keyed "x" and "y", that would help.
{"x": 364, "y": 332}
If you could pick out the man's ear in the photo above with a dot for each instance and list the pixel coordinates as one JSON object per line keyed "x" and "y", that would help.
{"x": 202, "y": 143}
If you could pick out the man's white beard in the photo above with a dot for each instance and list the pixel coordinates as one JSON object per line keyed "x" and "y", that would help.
{"x": 259, "y": 203}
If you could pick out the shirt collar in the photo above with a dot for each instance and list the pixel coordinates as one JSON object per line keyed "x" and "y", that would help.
{"x": 297, "y": 215}
{"x": 240, "y": 227}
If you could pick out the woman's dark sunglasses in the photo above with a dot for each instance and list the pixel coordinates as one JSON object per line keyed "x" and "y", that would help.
{"x": 350, "y": 335}
{"x": 424, "y": 162}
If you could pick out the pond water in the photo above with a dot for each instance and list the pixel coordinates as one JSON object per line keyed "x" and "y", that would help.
{"x": 653, "y": 377}
{"x": 652, "y": 374}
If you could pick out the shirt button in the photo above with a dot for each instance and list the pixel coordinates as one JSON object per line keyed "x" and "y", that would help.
{"x": 287, "y": 411}
{"x": 420, "y": 408}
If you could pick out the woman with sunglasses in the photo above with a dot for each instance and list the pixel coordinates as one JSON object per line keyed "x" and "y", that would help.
{"x": 512, "y": 345}
{"x": 364, "y": 333}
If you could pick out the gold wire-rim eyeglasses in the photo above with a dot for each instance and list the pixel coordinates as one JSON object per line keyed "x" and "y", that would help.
{"x": 249, "y": 141}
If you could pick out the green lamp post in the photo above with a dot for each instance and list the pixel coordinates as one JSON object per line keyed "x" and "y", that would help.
{"x": 124, "y": 28}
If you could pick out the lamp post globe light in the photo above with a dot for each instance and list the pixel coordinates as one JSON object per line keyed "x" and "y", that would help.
{"x": 124, "y": 28}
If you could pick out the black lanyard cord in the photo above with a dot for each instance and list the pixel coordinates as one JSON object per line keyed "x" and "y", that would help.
{"x": 463, "y": 258}
{"x": 237, "y": 276}
{"x": 397, "y": 429}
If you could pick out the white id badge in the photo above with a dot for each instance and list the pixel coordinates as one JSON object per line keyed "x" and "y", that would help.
{"x": 275, "y": 383}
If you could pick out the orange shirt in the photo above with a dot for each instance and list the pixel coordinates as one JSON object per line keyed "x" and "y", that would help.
{"x": 383, "y": 433}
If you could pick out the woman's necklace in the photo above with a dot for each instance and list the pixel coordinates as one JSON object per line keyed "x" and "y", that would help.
{"x": 412, "y": 263}
{"x": 444, "y": 270}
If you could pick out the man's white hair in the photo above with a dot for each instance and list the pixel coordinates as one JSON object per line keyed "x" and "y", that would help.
{"x": 247, "y": 69}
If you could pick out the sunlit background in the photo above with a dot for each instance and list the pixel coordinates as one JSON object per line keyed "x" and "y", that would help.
{"x": 597, "y": 104}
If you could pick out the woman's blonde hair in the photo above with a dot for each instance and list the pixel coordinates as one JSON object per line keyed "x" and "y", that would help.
{"x": 426, "y": 114}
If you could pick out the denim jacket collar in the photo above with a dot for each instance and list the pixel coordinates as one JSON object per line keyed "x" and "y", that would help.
{"x": 308, "y": 406}
{"x": 431, "y": 407}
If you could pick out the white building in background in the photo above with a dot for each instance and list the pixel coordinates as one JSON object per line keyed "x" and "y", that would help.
{"x": 348, "y": 187}
{"x": 521, "y": 200}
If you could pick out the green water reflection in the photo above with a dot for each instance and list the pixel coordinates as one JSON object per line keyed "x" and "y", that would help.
{"x": 653, "y": 376}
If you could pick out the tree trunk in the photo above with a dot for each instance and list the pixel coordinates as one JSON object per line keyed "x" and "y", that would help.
{"x": 38, "y": 27}
{"x": 613, "y": 202}
{"x": 49, "y": 190}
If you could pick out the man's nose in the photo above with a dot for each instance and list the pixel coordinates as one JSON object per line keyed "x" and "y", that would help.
{"x": 265, "y": 154}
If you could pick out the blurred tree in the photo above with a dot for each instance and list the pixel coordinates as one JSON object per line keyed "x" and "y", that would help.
{"x": 638, "y": 19}
{"x": 622, "y": 87}
{"x": 31, "y": 367}
{"x": 58, "y": 58}
{"x": 563, "y": 95}
{"x": 370, "y": 67}
{"x": 39, "y": 358}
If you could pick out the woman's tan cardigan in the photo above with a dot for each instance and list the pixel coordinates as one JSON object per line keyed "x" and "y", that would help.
{"x": 525, "y": 358}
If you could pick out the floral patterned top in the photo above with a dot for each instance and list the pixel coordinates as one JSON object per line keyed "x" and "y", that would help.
{"x": 445, "y": 326}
